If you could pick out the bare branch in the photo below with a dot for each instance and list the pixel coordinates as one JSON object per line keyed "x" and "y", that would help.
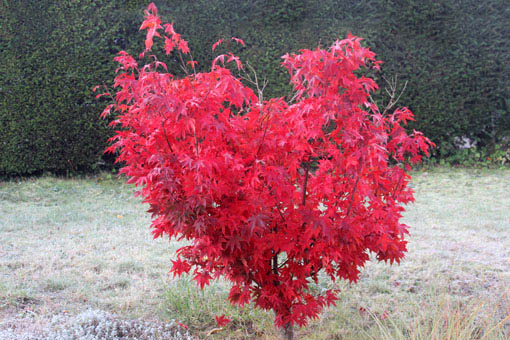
{"x": 352, "y": 196}
{"x": 255, "y": 81}
{"x": 307, "y": 169}
{"x": 401, "y": 92}
{"x": 294, "y": 97}
{"x": 391, "y": 90}
{"x": 193, "y": 64}
{"x": 183, "y": 64}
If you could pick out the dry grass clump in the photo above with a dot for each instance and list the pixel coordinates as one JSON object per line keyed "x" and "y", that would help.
{"x": 475, "y": 321}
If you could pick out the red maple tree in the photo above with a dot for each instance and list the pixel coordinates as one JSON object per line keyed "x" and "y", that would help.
{"x": 268, "y": 193}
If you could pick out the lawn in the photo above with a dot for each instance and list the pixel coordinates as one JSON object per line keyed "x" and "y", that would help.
{"x": 70, "y": 245}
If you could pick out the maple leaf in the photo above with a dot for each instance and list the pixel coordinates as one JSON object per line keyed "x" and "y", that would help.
{"x": 222, "y": 320}
{"x": 202, "y": 279}
{"x": 169, "y": 45}
{"x": 257, "y": 221}
{"x": 179, "y": 267}
{"x": 193, "y": 63}
{"x": 182, "y": 325}
{"x": 152, "y": 23}
{"x": 239, "y": 41}
{"x": 236, "y": 60}
{"x": 183, "y": 46}
{"x": 220, "y": 58}
{"x": 216, "y": 44}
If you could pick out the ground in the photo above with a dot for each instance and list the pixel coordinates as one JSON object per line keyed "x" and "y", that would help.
{"x": 72, "y": 245}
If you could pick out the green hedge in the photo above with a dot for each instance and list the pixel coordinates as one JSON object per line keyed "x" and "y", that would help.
{"x": 454, "y": 55}
{"x": 51, "y": 55}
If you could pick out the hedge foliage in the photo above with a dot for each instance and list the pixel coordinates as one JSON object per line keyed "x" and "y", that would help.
{"x": 51, "y": 55}
{"x": 453, "y": 54}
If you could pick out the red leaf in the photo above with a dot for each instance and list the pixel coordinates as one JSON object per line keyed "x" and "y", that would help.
{"x": 183, "y": 46}
{"x": 193, "y": 63}
{"x": 216, "y": 44}
{"x": 222, "y": 320}
{"x": 182, "y": 325}
{"x": 169, "y": 45}
{"x": 239, "y": 41}
{"x": 202, "y": 279}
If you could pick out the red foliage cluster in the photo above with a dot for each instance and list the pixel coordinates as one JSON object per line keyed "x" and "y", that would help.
{"x": 267, "y": 193}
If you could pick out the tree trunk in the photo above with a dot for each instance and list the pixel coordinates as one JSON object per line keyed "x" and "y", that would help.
{"x": 288, "y": 332}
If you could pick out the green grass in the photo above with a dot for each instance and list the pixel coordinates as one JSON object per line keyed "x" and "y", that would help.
{"x": 70, "y": 244}
{"x": 75, "y": 242}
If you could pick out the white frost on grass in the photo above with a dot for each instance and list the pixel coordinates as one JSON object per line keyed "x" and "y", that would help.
{"x": 93, "y": 325}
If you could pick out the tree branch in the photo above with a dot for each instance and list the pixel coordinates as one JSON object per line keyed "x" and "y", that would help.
{"x": 307, "y": 169}
{"x": 392, "y": 92}
{"x": 248, "y": 78}
{"x": 352, "y": 196}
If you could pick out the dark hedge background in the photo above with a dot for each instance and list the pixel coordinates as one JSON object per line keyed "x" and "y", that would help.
{"x": 454, "y": 54}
